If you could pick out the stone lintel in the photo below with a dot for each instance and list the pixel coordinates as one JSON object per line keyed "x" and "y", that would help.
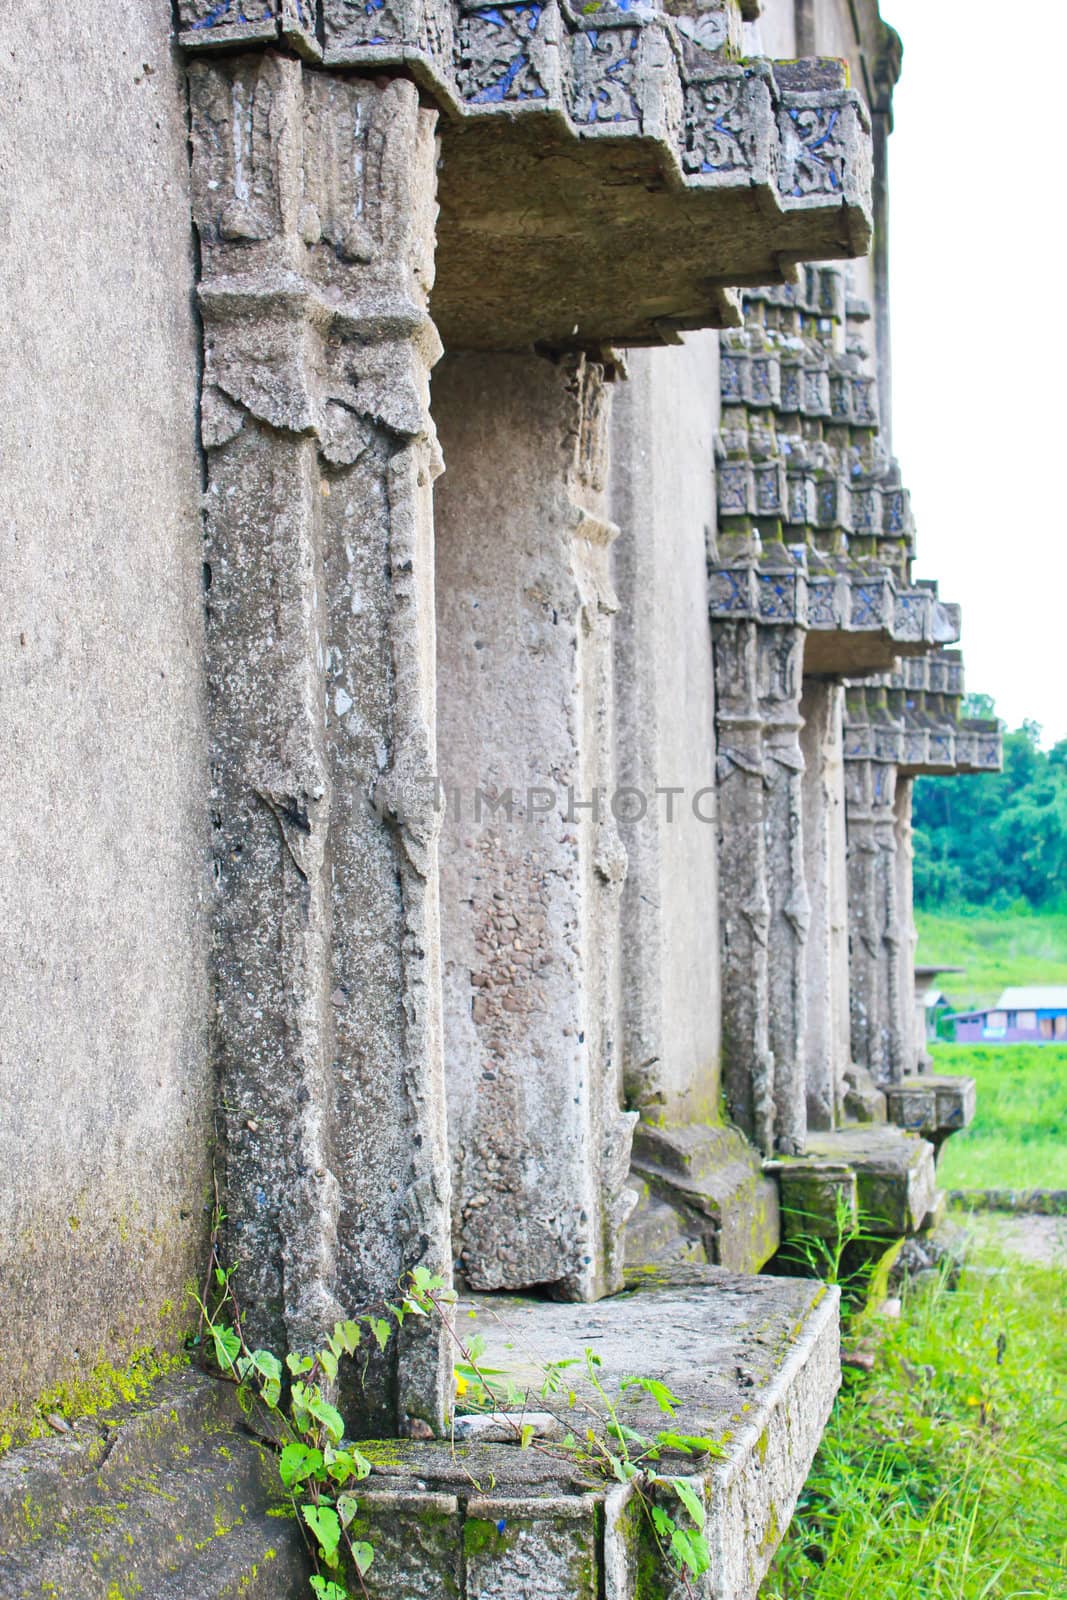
{"x": 712, "y": 1177}
{"x": 893, "y": 1171}
{"x": 754, "y": 1363}
{"x": 932, "y": 1104}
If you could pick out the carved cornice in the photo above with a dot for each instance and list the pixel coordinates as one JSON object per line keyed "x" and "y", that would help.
{"x": 685, "y": 170}
{"x": 911, "y": 717}
{"x": 801, "y": 462}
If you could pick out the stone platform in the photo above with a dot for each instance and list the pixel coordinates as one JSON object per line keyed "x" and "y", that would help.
{"x": 754, "y": 1362}
{"x": 884, "y": 1175}
{"x": 173, "y": 1500}
{"x": 166, "y": 1499}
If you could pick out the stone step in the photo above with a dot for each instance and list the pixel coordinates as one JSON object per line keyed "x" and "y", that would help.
{"x": 754, "y": 1363}
{"x": 168, "y": 1497}
{"x": 658, "y": 1233}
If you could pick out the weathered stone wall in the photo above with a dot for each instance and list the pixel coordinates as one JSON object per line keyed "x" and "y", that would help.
{"x": 774, "y": 34}
{"x": 104, "y": 1078}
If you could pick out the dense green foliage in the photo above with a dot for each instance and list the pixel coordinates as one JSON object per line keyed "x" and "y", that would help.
{"x": 995, "y": 838}
{"x": 1018, "y": 1139}
{"x": 995, "y": 950}
{"x": 943, "y": 1476}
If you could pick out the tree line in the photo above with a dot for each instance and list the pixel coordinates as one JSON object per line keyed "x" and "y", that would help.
{"x": 995, "y": 838}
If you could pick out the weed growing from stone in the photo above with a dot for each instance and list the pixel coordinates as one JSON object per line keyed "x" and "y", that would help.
{"x": 319, "y": 1468}
{"x": 846, "y": 1250}
{"x": 595, "y": 1438}
{"x": 944, "y": 1474}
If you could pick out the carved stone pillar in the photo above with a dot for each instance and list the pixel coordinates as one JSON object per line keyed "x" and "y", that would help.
{"x": 314, "y": 204}
{"x": 827, "y": 1043}
{"x": 874, "y": 925}
{"x": 781, "y": 652}
{"x": 758, "y": 608}
{"x": 532, "y": 859}
{"x": 910, "y": 1042}
{"x": 744, "y": 901}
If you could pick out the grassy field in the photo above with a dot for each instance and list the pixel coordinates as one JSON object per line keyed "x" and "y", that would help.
{"x": 996, "y": 949}
{"x": 1018, "y": 1139}
{"x": 943, "y": 1475}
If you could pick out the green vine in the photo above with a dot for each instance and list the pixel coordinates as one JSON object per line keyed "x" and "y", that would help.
{"x": 319, "y": 1468}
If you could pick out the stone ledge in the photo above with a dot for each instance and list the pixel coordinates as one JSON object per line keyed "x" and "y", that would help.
{"x": 586, "y": 155}
{"x": 859, "y": 615}
{"x": 167, "y": 1498}
{"x": 885, "y": 1174}
{"x": 754, "y": 1362}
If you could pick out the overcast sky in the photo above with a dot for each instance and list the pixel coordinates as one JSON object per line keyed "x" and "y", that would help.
{"x": 978, "y": 239}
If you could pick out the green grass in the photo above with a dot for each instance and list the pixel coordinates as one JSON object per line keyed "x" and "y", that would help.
{"x": 997, "y": 949}
{"x": 1018, "y": 1139}
{"x": 943, "y": 1475}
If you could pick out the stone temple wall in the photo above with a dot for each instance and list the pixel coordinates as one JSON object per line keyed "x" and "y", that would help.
{"x": 105, "y": 1073}
{"x": 467, "y": 677}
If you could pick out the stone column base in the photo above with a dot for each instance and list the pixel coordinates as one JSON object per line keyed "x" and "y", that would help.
{"x": 885, "y": 1175}
{"x": 710, "y": 1179}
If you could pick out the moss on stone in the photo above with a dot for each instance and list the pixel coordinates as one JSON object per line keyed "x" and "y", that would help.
{"x": 772, "y": 1537}
{"x": 482, "y": 1538}
{"x": 103, "y": 1388}
{"x": 386, "y": 1453}
{"x": 651, "y": 1579}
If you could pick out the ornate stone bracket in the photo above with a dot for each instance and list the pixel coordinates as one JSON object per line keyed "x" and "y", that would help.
{"x": 800, "y": 451}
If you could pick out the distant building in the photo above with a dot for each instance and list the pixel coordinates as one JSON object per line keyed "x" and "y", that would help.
{"x": 931, "y": 1004}
{"x": 1020, "y": 1016}
{"x": 936, "y": 1004}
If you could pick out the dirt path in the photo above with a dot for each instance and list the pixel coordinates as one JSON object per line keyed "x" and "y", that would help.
{"x": 1039, "y": 1239}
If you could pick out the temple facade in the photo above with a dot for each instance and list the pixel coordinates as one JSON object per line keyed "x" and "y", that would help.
{"x": 466, "y": 676}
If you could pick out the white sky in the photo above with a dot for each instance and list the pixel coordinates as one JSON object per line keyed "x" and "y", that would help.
{"x": 978, "y": 240}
